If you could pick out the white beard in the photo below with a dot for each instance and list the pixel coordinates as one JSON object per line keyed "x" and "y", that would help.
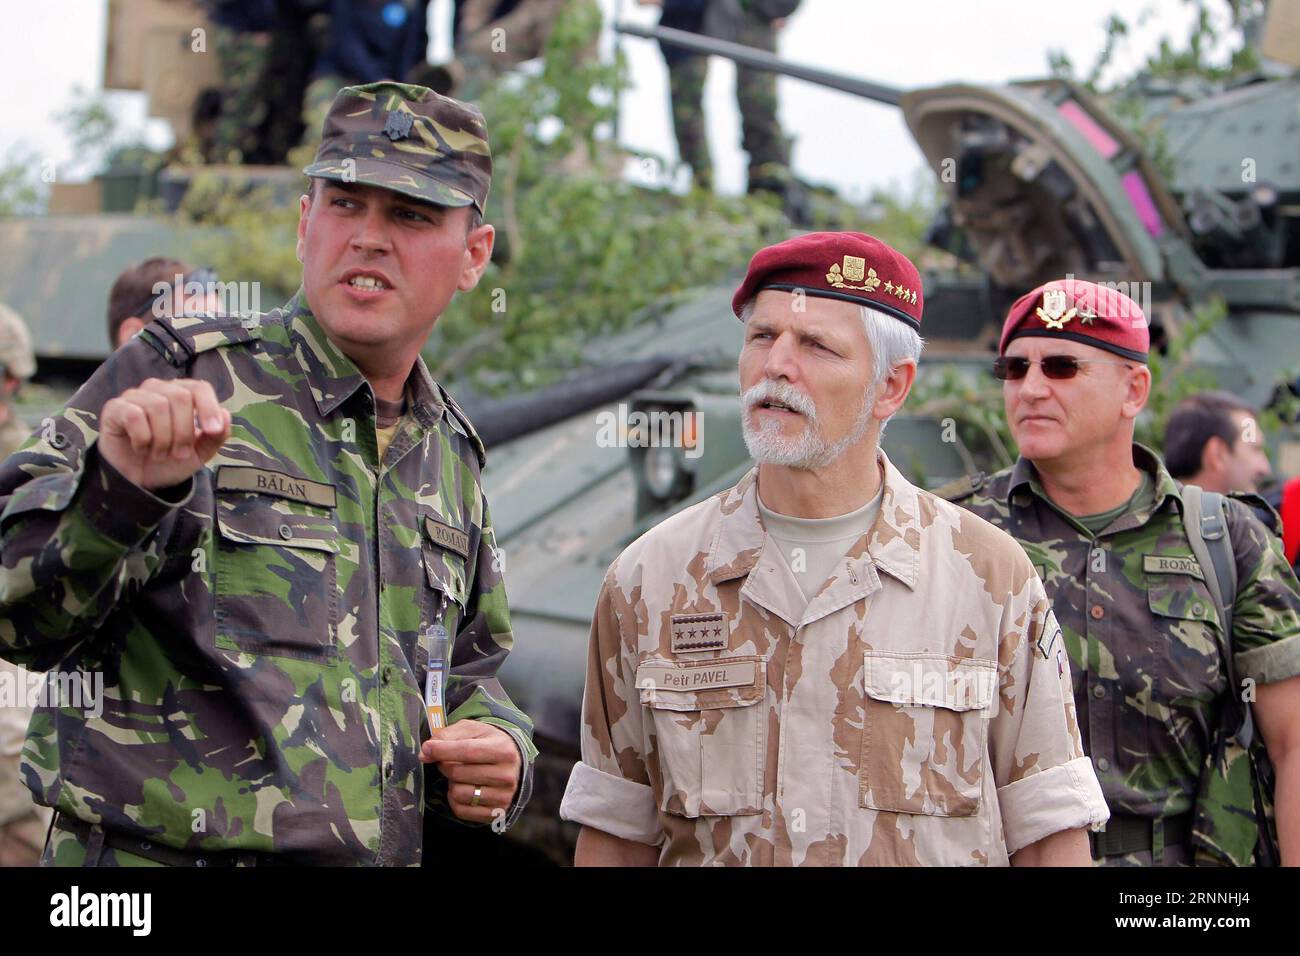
{"x": 807, "y": 450}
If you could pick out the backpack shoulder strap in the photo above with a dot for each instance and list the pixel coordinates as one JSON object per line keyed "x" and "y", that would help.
{"x": 1207, "y": 532}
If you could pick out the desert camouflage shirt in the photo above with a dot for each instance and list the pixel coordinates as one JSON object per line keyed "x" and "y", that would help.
{"x": 1142, "y": 630}
{"x": 916, "y": 711}
{"x": 12, "y": 434}
{"x": 15, "y": 801}
{"x": 258, "y": 627}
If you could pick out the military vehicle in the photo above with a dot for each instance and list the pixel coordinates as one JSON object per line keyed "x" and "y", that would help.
{"x": 1039, "y": 180}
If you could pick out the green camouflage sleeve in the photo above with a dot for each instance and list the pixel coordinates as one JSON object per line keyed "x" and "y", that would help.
{"x": 1266, "y": 613}
{"x": 74, "y": 533}
{"x": 473, "y": 692}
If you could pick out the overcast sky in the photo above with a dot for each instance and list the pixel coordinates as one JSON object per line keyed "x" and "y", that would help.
{"x": 49, "y": 48}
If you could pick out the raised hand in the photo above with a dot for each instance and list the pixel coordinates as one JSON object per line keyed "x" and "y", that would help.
{"x": 162, "y": 432}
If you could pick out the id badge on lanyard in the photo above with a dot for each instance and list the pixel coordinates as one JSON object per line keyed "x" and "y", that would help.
{"x": 435, "y": 679}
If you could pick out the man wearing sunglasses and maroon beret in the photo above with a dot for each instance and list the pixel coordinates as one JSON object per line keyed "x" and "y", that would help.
{"x": 1104, "y": 522}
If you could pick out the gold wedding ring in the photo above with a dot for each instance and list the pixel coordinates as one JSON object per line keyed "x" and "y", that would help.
{"x": 478, "y": 792}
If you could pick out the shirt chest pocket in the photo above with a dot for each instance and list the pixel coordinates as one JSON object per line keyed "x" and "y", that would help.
{"x": 925, "y": 733}
{"x": 1184, "y": 656}
{"x": 444, "y": 549}
{"x": 709, "y": 733}
{"x": 276, "y": 585}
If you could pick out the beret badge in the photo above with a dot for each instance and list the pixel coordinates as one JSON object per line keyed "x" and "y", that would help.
{"x": 1082, "y": 311}
{"x": 1053, "y": 311}
{"x": 856, "y": 270}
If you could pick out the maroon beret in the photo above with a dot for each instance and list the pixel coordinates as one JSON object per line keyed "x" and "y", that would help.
{"x": 851, "y": 266}
{"x": 1080, "y": 311}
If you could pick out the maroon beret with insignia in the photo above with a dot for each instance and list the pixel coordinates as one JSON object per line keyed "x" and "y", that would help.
{"x": 1080, "y": 311}
{"x": 851, "y": 266}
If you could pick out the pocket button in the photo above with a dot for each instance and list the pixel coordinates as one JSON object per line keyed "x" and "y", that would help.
{"x": 286, "y": 532}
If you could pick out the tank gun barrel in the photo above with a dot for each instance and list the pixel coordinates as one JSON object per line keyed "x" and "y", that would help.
{"x": 762, "y": 60}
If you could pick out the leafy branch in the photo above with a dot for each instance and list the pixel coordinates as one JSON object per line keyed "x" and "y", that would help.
{"x": 585, "y": 252}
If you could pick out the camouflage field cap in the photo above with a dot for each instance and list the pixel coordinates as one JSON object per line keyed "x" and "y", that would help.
{"x": 15, "y": 344}
{"x": 408, "y": 139}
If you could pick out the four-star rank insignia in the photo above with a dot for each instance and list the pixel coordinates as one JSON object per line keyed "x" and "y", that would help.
{"x": 398, "y": 125}
{"x": 699, "y": 632}
{"x": 855, "y": 269}
{"x": 1053, "y": 311}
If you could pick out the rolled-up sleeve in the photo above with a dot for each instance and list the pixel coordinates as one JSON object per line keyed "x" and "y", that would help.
{"x": 611, "y": 803}
{"x": 1045, "y": 782}
{"x": 609, "y": 788}
{"x": 1266, "y": 610}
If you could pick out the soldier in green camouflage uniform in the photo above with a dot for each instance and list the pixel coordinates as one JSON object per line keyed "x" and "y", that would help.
{"x": 761, "y": 136}
{"x": 1141, "y": 628}
{"x": 258, "y": 591}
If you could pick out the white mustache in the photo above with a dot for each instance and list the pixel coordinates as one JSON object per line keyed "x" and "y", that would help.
{"x": 770, "y": 390}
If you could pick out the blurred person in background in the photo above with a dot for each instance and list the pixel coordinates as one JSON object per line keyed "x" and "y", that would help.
{"x": 138, "y": 296}
{"x": 22, "y": 822}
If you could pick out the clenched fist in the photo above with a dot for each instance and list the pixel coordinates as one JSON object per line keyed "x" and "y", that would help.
{"x": 161, "y": 433}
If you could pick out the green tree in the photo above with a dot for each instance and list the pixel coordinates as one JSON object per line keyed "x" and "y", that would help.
{"x": 1217, "y": 48}
{"x": 581, "y": 252}
{"x": 22, "y": 192}
{"x": 585, "y": 252}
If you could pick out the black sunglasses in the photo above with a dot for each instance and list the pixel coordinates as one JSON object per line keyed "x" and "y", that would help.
{"x": 1012, "y": 368}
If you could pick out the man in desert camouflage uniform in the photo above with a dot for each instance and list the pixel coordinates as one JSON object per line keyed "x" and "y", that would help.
{"x": 22, "y": 823}
{"x": 17, "y": 364}
{"x": 1102, "y": 520}
{"x": 252, "y": 529}
{"x": 825, "y": 665}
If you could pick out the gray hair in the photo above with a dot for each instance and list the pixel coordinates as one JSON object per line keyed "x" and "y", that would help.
{"x": 892, "y": 343}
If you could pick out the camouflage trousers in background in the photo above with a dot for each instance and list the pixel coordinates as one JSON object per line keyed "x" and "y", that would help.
{"x": 686, "y": 87}
{"x": 761, "y": 135}
{"x": 264, "y": 79}
{"x": 243, "y": 58}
